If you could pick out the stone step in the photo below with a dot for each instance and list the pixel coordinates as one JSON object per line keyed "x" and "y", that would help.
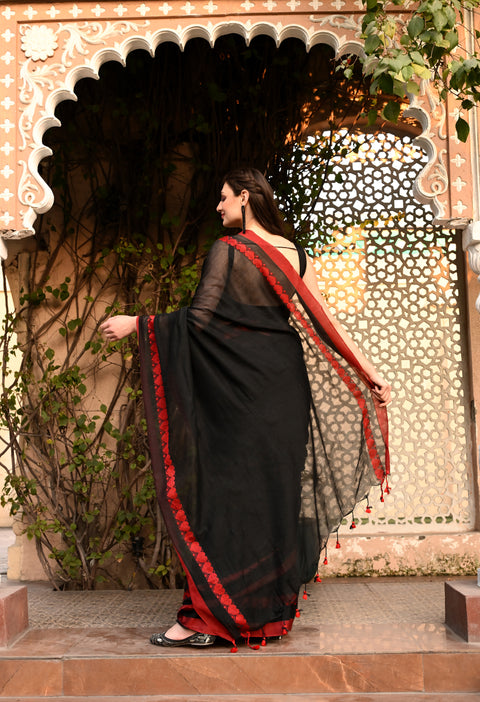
{"x": 96, "y": 664}
{"x": 13, "y": 613}
{"x": 334, "y": 697}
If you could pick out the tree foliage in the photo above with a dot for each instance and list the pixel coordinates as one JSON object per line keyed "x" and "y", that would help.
{"x": 406, "y": 43}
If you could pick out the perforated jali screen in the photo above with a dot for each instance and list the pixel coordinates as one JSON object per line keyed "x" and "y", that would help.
{"x": 395, "y": 284}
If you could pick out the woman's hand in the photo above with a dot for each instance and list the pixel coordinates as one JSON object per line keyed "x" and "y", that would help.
{"x": 382, "y": 391}
{"x": 118, "y": 327}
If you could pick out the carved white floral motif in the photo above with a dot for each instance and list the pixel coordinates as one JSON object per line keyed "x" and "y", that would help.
{"x": 39, "y": 42}
{"x": 38, "y": 82}
{"x": 81, "y": 36}
{"x": 351, "y": 23}
{"x": 80, "y": 48}
{"x": 437, "y": 176}
{"x": 432, "y": 183}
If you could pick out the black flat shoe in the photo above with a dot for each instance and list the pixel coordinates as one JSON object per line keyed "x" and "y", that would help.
{"x": 196, "y": 639}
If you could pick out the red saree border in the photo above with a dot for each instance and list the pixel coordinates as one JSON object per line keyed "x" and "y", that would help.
{"x": 281, "y": 261}
{"x": 207, "y": 623}
{"x": 174, "y": 501}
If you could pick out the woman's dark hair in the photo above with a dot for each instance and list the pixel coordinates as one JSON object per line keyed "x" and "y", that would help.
{"x": 261, "y": 197}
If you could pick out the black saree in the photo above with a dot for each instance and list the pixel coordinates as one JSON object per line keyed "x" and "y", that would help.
{"x": 261, "y": 438}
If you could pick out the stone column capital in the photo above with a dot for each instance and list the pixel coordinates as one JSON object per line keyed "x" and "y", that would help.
{"x": 471, "y": 235}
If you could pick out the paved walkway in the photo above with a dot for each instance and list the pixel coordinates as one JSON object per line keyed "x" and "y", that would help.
{"x": 357, "y": 602}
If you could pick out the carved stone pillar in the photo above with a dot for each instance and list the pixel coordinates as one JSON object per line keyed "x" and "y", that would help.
{"x": 471, "y": 244}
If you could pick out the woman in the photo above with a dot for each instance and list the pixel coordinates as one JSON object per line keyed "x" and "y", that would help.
{"x": 261, "y": 438}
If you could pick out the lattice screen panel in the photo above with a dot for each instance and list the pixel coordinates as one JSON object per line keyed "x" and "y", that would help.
{"x": 394, "y": 284}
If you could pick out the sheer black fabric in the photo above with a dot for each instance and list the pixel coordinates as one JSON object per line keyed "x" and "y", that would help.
{"x": 261, "y": 441}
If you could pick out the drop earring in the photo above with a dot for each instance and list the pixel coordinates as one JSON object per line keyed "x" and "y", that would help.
{"x": 243, "y": 218}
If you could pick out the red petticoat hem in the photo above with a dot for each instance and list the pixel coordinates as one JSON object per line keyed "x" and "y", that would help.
{"x": 270, "y": 630}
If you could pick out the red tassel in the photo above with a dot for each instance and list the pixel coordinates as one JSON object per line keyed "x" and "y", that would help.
{"x": 305, "y": 595}
{"x": 368, "y": 509}
{"x": 284, "y": 631}
{"x": 353, "y": 525}
{"x": 318, "y": 578}
{"x": 234, "y": 650}
{"x": 337, "y": 545}
{"x": 325, "y": 561}
{"x": 264, "y": 641}
{"x": 254, "y": 647}
{"x": 297, "y": 613}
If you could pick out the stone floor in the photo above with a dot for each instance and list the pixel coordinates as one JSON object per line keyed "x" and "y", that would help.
{"x": 350, "y": 604}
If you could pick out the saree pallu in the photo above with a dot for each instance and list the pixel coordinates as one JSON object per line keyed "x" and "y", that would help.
{"x": 261, "y": 437}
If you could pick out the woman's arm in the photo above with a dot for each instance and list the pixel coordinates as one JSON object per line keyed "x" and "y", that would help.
{"x": 118, "y": 327}
{"x": 381, "y": 389}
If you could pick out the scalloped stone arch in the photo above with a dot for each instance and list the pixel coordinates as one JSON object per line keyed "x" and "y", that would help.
{"x": 76, "y": 50}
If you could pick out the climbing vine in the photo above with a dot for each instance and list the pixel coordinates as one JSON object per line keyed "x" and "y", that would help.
{"x": 136, "y": 170}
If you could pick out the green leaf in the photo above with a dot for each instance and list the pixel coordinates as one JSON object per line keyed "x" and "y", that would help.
{"x": 417, "y": 57}
{"x": 422, "y": 71}
{"x": 462, "y": 129}
{"x": 457, "y": 78}
{"x": 74, "y": 323}
{"x": 470, "y": 64}
{"x": 49, "y": 353}
{"x": 412, "y": 87}
{"x": 385, "y": 83}
{"x": 415, "y": 26}
{"x": 399, "y": 88}
{"x": 372, "y": 117}
{"x": 440, "y": 20}
{"x": 398, "y": 63}
{"x": 372, "y": 43}
{"x": 451, "y": 15}
{"x": 407, "y": 72}
{"x": 391, "y": 111}
{"x": 452, "y": 39}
